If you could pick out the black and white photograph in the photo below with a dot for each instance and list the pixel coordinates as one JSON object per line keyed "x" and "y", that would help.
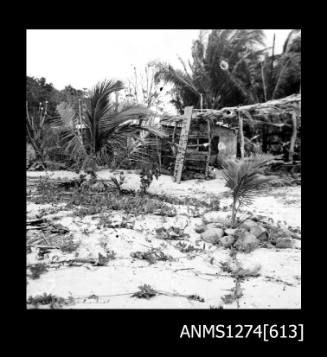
{"x": 163, "y": 169}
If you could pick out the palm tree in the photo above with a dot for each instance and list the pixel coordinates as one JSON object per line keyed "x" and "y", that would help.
{"x": 216, "y": 76}
{"x": 100, "y": 133}
{"x": 244, "y": 177}
{"x": 281, "y": 74}
{"x": 39, "y": 133}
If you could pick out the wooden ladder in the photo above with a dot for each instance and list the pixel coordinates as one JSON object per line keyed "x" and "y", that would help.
{"x": 179, "y": 163}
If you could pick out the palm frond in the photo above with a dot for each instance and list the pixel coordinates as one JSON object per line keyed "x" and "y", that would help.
{"x": 244, "y": 178}
{"x": 104, "y": 133}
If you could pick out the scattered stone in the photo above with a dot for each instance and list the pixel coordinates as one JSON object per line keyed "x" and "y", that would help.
{"x": 246, "y": 242}
{"x": 244, "y": 272}
{"x": 267, "y": 245}
{"x": 230, "y": 231}
{"x": 214, "y": 225}
{"x": 254, "y": 228}
{"x": 212, "y": 235}
{"x": 279, "y": 233}
{"x": 227, "y": 241}
{"x": 214, "y": 217}
{"x": 200, "y": 228}
{"x": 248, "y": 224}
{"x": 284, "y": 243}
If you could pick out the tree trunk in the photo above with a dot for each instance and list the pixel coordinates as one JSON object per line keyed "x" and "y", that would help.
{"x": 36, "y": 145}
{"x": 117, "y": 101}
{"x": 233, "y": 212}
{"x": 241, "y": 134}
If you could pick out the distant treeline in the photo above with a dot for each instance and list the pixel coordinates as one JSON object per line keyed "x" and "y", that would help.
{"x": 39, "y": 91}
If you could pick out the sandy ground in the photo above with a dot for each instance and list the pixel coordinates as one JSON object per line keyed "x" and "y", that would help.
{"x": 196, "y": 273}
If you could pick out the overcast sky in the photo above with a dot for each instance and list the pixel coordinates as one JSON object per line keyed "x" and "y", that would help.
{"x": 83, "y": 57}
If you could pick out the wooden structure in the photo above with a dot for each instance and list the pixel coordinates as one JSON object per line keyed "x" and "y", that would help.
{"x": 280, "y": 118}
{"x": 194, "y": 143}
{"x": 217, "y": 133}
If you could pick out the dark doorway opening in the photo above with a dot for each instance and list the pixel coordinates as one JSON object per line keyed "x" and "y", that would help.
{"x": 214, "y": 151}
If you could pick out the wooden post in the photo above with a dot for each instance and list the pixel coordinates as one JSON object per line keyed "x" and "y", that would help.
{"x": 293, "y": 138}
{"x": 263, "y": 82}
{"x": 241, "y": 134}
{"x": 117, "y": 102}
{"x": 182, "y": 147}
{"x": 79, "y": 130}
{"x": 173, "y": 140}
{"x": 159, "y": 152}
{"x": 209, "y": 149}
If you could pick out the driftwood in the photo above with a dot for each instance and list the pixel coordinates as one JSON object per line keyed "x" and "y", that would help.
{"x": 43, "y": 246}
{"x": 36, "y": 221}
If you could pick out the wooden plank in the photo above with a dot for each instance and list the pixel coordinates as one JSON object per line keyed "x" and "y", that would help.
{"x": 182, "y": 144}
{"x": 209, "y": 152}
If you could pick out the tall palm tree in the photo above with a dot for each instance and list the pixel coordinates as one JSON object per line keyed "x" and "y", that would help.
{"x": 216, "y": 76}
{"x": 281, "y": 74}
{"x": 100, "y": 133}
{"x": 39, "y": 133}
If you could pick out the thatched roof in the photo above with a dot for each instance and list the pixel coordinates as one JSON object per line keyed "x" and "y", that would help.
{"x": 271, "y": 112}
{"x": 274, "y": 112}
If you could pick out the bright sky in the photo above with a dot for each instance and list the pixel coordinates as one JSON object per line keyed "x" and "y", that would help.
{"x": 83, "y": 57}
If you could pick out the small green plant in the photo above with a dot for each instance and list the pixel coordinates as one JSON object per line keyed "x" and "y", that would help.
{"x": 196, "y": 298}
{"x": 244, "y": 177}
{"x": 48, "y": 299}
{"x": 37, "y": 270}
{"x": 69, "y": 245}
{"x": 152, "y": 256}
{"x": 225, "y": 267}
{"x": 186, "y": 248}
{"x": 172, "y": 233}
{"x": 103, "y": 260}
{"x": 145, "y": 292}
{"x": 228, "y": 299}
{"x": 117, "y": 183}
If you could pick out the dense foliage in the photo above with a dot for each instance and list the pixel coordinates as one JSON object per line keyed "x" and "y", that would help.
{"x": 102, "y": 133}
{"x": 231, "y": 67}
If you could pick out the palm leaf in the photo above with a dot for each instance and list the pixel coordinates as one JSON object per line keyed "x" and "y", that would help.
{"x": 244, "y": 178}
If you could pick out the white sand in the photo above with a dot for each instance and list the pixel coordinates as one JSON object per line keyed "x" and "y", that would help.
{"x": 199, "y": 273}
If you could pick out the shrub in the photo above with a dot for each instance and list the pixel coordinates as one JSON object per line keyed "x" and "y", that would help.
{"x": 48, "y": 299}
